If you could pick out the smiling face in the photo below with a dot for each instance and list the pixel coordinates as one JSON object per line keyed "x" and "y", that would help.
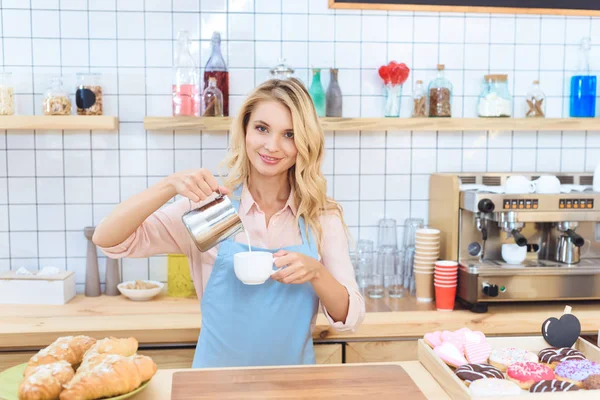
{"x": 270, "y": 139}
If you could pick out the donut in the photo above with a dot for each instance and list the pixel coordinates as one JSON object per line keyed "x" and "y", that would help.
{"x": 592, "y": 382}
{"x": 576, "y": 371}
{"x": 553, "y": 356}
{"x": 502, "y": 358}
{"x": 449, "y": 354}
{"x": 473, "y": 372}
{"x": 552, "y": 386}
{"x": 526, "y": 374}
{"x": 494, "y": 387}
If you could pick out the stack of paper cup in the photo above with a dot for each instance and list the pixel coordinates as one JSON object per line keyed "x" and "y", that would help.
{"x": 445, "y": 280}
{"x": 427, "y": 251}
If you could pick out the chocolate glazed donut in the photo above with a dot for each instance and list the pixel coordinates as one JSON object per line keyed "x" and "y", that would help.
{"x": 553, "y": 386}
{"x": 554, "y": 356}
{"x": 472, "y": 372}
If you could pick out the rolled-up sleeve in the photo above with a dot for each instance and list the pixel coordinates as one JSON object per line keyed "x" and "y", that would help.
{"x": 336, "y": 258}
{"x": 161, "y": 233}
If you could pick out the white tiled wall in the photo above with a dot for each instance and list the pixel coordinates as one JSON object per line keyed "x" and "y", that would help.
{"x": 54, "y": 183}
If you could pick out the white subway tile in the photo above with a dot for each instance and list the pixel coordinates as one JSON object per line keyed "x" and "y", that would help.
{"x": 103, "y": 25}
{"x": 50, "y": 190}
{"x": 44, "y": 23}
{"x": 130, "y": 53}
{"x": 267, "y": 54}
{"x": 426, "y": 55}
{"x": 419, "y": 209}
{"x": 572, "y": 160}
{"x": 477, "y": 30}
{"x": 20, "y": 191}
{"x": 46, "y": 51}
{"x": 548, "y": 160}
{"x": 474, "y": 160}
{"x": 499, "y": 160}
{"x": 400, "y": 29}
{"x": 477, "y": 56}
{"x": 21, "y": 162}
{"x": 317, "y": 7}
{"x": 346, "y": 187}
{"x": 131, "y": 186}
{"x": 398, "y": 161}
{"x": 577, "y": 28}
{"x": 4, "y": 246}
{"x": 49, "y": 163}
{"x": 419, "y": 187}
{"x": 78, "y": 190}
{"x": 3, "y": 218}
{"x": 346, "y": 161}
{"x": 158, "y": 268}
{"x": 374, "y": 28}
{"x": 372, "y": 161}
{"x": 449, "y": 160}
{"x": 77, "y": 163}
{"x": 73, "y": 24}
{"x": 182, "y": 5}
{"x": 347, "y": 139}
{"x": 213, "y": 22}
{"x": 370, "y": 213}
{"x": 592, "y": 158}
{"x": 424, "y": 139}
{"x": 105, "y": 163}
{"x": 106, "y": 190}
{"x": 212, "y": 159}
{"x": 523, "y": 160}
{"x": 422, "y": 161}
{"x": 76, "y": 246}
{"x": 373, "y": 139}
{"x": 158, "y": 25}
{"x": 52, "y": 244}
{"x": 241, "y": 26}
{"x": 16, "y": 23}
{"x": 426, "y": 29}
{"x": 78, "y": 216}
{"x": 502, "y": 56}
{"x": 160, "y": 162}
{"x": 133, "y": 162}
{"x": 294, "y": 6}
{"x": 23, "y": 244}
{"x": 134, "y": 269}
{"x": 528, "y": 30}
{"x": 502, "y": 30}
{"x": 23, "y": 217}
{"x": 373, "y": 55}
{"x": 397, "y": 187}
{"x": 398, "y": 210}
{"x": 398, "y": 139}
{"x": 74, "y": 52}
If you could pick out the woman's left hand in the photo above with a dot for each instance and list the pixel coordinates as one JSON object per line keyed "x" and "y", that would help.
{"x": 299, "y": 268}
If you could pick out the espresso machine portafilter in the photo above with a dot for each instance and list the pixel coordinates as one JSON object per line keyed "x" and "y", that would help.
{"x": 508, "y": 223}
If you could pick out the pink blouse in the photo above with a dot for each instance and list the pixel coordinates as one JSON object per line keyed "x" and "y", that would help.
{"x": 163, "y": 233}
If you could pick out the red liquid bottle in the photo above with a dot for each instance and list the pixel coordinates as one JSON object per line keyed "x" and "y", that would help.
{"x": 186, "y": 92}
{"x": 216, "y": 68}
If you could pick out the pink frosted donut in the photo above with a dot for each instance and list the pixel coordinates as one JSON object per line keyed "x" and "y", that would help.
{"x": 525, "y": 374}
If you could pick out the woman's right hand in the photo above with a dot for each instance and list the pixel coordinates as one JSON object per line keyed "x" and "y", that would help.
{"x": 195, "y": 184}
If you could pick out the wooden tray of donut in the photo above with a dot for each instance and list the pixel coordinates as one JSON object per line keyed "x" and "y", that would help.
{"x": 457, "y": 390}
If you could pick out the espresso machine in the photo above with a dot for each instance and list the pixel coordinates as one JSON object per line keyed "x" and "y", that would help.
{"x": 559, "y": 233}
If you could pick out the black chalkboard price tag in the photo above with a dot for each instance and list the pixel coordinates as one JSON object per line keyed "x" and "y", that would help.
{"x": 562, "y": 332}
{"x": 555, "y": 7}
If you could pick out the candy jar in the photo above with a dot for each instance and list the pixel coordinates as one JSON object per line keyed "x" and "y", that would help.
{"x": 317, "y": 93}
{"x": 334, "y": 95}
{"x": 281, "y": 70}
{"x": 7, "y": 90}
{"x": 535, "y": 102}
{"x": 88, "y": 96}
{"x": 216, "y": 67}
{"x": 56, "y": 99}
{"x": 495, "y": 99}
{"x": 440, "y": 95}
{"x": 212, "y": 100}
{"x": 393, "y": 75}
{"x": 419, "y": 101}
{"x": 186, "y": 96}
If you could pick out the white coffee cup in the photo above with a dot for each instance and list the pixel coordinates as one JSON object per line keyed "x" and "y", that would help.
{"x": 513, "y": 253}
{"x": 253, "y": 267}
{"x": 548, "y": 184}
{"x": 518, "y": 184}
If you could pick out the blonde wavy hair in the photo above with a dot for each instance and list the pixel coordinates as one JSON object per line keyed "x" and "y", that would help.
{"x": 305, "y": 176}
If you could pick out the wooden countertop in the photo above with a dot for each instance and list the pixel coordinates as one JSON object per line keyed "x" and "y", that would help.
{"x": 167, "y": 320}
{"x": 159, "y": 387}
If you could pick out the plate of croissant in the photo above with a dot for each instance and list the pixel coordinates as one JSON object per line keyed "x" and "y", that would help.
{"x": 80, "y": 368}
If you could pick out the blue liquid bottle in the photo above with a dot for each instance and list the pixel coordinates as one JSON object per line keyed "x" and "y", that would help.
{"x": 583, "y": 86}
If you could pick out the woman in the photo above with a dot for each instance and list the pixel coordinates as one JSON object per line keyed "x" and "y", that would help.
{"x": 274, "y": 168}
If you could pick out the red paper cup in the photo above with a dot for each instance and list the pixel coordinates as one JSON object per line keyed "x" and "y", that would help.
{"x": 446, "y": 264}
{"x": 444, "y": 297}
{"x": 445, "y": 283}
{"x": 446, "y": 274}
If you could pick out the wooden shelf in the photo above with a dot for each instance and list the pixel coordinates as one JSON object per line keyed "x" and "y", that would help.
{"x": 405, "y": 124}
{"x": 60, "y": 122}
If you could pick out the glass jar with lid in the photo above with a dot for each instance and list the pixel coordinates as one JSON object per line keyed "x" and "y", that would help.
{"x": 440, "y": 95}
{"x": 535, "y": 102}
{"x": 88, "y": 96}
{"x": 419, "y": 101}
{"x": 7, "y": 90}
{"x": 56, "y": 99}
{"x": 282, "y": 70}
{"x": 495, "y": 99}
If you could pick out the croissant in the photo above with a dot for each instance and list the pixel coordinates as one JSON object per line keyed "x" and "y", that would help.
{"x": 45, "y": 382}
{"x": 68, "y": 348}
{"x": 123, "y": 347}
{"x": 108, "y": 375}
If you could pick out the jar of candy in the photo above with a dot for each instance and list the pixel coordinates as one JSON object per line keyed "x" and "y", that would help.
{"x": 88, "y": 96}
{"x": 440, "y": 95}
{"x": 7, "y": 101}
{"x": 56, "y": 99}
{"x": 495, "y": 99}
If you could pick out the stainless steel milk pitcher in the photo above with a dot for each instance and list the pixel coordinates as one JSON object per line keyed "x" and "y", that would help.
{"x": 212, "y": 222}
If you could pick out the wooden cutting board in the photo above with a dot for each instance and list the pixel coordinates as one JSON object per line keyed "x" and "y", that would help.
{"x": 339, "y": 382}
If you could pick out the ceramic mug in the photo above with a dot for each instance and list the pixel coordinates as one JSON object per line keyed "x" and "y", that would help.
{"x": 253, "y": 267}
{"x": 518, "y": 184}
{"x": 547, "y": 184}
{"x": 513, "y": 253}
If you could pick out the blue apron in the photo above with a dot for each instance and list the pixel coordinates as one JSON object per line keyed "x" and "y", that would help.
{"x": 255, "y": 325}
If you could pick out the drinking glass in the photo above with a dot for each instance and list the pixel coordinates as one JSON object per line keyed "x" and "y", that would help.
{"x": 364, "y": 259}
{"x": 411, "y": 225}
{"x": 387, "y": 235}
{"x": 376, "y": 285}
{"x": 409, "y": 258}
{"x": 393, "y": 271}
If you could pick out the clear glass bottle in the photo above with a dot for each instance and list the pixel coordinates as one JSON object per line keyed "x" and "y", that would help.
{"x": 56, "y": 99}
{"x": 212, "y": 100}
{"x": 281, "y": 70}
{"x": 495, "y": 99}
{"x": 186, "y": 87}
{"x": 440, "y": 95}
{"x": 583, "y": 85}
{"x": 535, "y": 102}
{"x": 419, "y": 101}
{"x": 7, "y": 90}
{"x": 333, "y": 99}
{"x": 317, "y": 93}
{"x": 88, "y": 96}
{"x": 216, "y": 67}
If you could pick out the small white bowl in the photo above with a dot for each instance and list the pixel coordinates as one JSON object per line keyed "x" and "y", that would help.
{"x": 140, "y": 294}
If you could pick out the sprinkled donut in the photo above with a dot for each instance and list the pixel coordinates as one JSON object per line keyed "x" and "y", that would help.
{"x": 553, "y": 386}
{"x": 473, "y": 372}
{"x": 554, "y": 356}
{"x": 576, "y": 371}
{"x": 502, "y": 358}
{"x": 525, "y": 374}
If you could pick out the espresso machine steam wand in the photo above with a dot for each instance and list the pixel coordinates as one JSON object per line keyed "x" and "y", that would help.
{"x": 508, "y": 223}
